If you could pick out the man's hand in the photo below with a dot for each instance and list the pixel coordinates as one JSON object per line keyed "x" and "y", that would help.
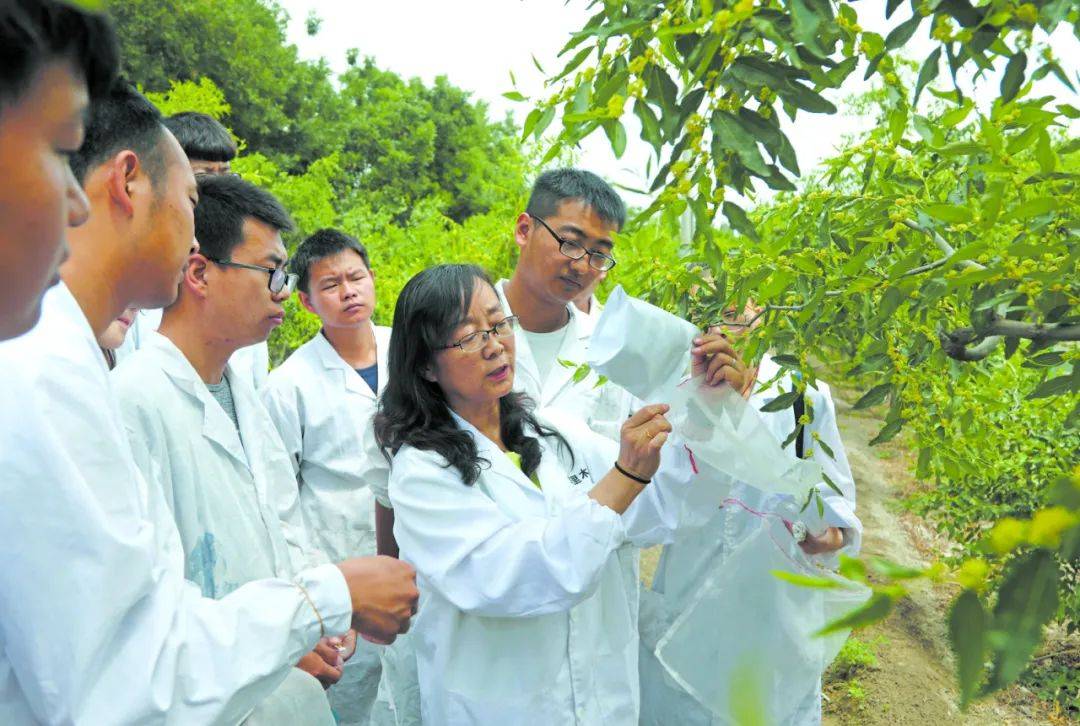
{"x": 715, "y": 357}
{"x": 345, "y": 645}
{"x": 384, "y": 596}
{"x": 316, "y": 664}
{"x": 830, "y": 540}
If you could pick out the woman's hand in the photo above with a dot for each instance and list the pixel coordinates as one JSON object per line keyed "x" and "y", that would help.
{"x": 640, "y": 440}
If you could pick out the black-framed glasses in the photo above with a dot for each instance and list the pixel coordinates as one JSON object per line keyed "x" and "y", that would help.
{"x": 476, "y": 341}
{"x": 279, "y": 279}
{"x": 575, "y": 251}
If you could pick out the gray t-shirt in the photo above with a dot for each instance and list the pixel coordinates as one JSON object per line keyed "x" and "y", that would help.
{"x": 223, "y": 393}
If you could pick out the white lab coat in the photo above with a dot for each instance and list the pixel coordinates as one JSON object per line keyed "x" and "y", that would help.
{"x": 323, "y": 409}
{"x": 252, "y": 363}
{"x": 97, "y": 622}
{"x": 530, "y": 596}
{"x": 604, "y": 408}
{"x": 664, "y": 699}
{"x": 230, "y": 491}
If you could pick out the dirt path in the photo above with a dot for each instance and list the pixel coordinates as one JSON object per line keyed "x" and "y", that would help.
{"x": 912, "y": 681}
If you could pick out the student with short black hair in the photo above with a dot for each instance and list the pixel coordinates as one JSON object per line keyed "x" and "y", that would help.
{"x": 566, "y": 240}
{"x": 54, "y": 61}
{"x": 210, "y": 149}
{"x": 322, "y": 399}
{"x": 209, "y": 145}
{"x": 200, "y": 430}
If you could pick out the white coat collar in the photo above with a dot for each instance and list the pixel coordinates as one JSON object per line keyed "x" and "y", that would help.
{"x": 332, "y": 361}
{"x": 216, "y": 425}
{"x": 501, "y": 465}
{"x": 575, "y": 348}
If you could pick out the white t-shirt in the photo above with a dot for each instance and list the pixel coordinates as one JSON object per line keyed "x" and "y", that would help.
{"x": 545, "y": 348}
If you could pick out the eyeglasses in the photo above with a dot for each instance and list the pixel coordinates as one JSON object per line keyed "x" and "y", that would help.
{"x": 574, "y": 250}
{"x": 476, "y": 341}
{"x": 279, "y": 279}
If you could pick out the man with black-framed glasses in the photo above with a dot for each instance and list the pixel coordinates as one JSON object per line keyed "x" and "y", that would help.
{"x": 566, "y": 237}
{"x": 202, "y": 431}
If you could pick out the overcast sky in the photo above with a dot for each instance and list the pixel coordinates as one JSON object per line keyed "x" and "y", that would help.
{"x": 476, "y": 44}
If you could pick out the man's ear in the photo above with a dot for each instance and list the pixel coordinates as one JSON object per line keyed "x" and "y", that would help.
{"x": 195, "y": 271}
{"x": 522, "y": 229}
{"x": 123, "y": 170}
{"x": 305, "y": 300}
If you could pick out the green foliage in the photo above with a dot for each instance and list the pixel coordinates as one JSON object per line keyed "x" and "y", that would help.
{"x": 856, "y": 655}
{"x": 398, "y": 143}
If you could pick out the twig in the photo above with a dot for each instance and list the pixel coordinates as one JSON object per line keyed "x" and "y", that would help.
{"x": 943, "y": 245}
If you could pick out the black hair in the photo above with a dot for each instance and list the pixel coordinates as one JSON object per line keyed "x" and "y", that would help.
{"x": 224, "y": 203}
{"x": 36, "y": 32}
{"x": 556, "y": 186}
{"x": 324, "y": 243}
{"x": 413, "y": 410}
{"x": 122, "y": 119}
{"x": 201, "y": 136}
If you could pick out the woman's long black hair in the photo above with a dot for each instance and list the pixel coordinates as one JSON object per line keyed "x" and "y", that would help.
{"x": 412, "y": 409}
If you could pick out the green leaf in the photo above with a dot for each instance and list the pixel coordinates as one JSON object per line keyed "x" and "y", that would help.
{"x": 574, "y": 62}
{"x": 967, "y": 636}
{"x": 874, "y": 396}
{"x": 888, "y": 432}
{"x": 955, "y": 116}
{"x": 927, "y": 73}
{"x": 739, "y": 221}
{"x": 545, "y": 120}
{"x": 820, "y": 444}
{"x": 616, "y": 134}
{"x": 820, "y": 583}
{"x": 1053, "y": 387}
{"x": 1032, "y": 208}
{"x": 650, "y": 126}
{"x": 1014, "y": 76}
{"x": 898, "y": 119}
{"x": 1044, "y": 153}
{"x": 949, "y": 213}
{"x": 902, "y": 33}
{"x": 805, "y": 98}
{"x": 876, "y": 609}
{"x": 781, "y": 402}
{"x": 1027, "y": 599}
{"x": 581, "y": 373}
{"x": 514, "y": 96}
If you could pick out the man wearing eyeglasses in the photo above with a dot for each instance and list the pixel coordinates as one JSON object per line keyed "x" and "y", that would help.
{"x": 202, "y": 432}
{"x": 566, "y": 242}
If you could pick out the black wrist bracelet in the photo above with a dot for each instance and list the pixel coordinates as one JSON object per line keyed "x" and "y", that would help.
{"x": 628, "y": 475}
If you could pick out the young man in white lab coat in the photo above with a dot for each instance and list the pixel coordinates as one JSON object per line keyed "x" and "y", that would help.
{"x": 93, "y": 563}
{"x": 322, "y": 400}
{"x": 566, "y": 242}
{"x": 210, "y": 149}
{"x": 202, "y": 430}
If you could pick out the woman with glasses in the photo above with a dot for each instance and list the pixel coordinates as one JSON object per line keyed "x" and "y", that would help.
{"x": 523, "y": 531}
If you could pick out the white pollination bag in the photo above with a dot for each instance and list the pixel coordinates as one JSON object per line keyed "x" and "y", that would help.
{"x": 646, "y": 350}
{"x": 743, "y": 640}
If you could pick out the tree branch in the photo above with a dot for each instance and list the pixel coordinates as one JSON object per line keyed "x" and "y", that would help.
{"x": 943, "y": 245}
{"x": 971, "y": 344}
{"x": 1033, "y": 331}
